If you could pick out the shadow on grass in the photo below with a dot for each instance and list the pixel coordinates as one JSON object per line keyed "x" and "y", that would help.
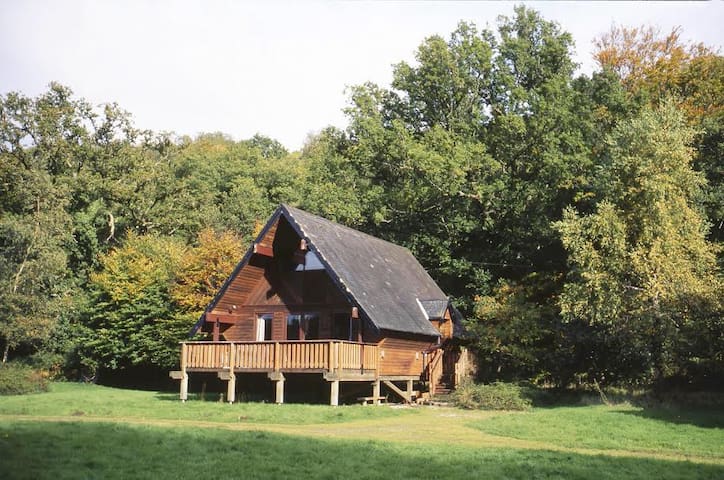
{"x": 40, "y": 450}
{"x": 168, "y": 396}
{"x": 705, "y": 418}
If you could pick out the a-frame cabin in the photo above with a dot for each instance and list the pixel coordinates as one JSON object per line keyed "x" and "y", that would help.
{"x": 313, "y": 296}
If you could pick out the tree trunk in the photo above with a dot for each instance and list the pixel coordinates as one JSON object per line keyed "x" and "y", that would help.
{"x": 6, "y": 351}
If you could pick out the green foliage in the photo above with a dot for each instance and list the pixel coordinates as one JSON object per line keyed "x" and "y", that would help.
{"x": 641, "y": 263}
{"x": 655, "y": 67}
{"x": 474, "y": 151}
{"x": 517, "y": 331}
{"x": 495, "y": 396}
{"x": 203, "y": 269}
{"x": 131, "y": 319}
{"x": 18, "y": 379}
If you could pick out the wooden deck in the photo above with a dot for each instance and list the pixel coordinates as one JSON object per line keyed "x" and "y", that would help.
{"x": 336, "y": 360}
{"x": 325, "y": 356}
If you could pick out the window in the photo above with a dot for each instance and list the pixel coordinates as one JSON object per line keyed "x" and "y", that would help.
{"x": 356, "y": 332}
{"x": 264, "y": 327}
{"x": 340, "y": 326}
{"x": 293, "y": 323}
{"x": 303, "y": 326}
{"x": 311, "y": 326}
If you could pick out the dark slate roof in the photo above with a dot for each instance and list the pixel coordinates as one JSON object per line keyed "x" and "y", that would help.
{"x": 434, "y": 309}
{"x": 383, "y": 279}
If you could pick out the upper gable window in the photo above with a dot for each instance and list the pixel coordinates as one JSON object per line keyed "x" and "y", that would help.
{"x": 311, "y": 262}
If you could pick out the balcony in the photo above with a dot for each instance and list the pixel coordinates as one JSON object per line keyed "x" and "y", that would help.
{"x": 318, "y": 356}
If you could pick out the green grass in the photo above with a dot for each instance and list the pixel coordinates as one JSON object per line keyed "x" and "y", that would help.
{"x": 74, "y": 399}
{"x": 85, "y": 431}
{"x": 39, "y": 450}
{"x": 695, "y": 432}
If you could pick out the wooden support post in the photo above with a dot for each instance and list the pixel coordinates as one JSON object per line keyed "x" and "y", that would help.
{"x": 334, "y": 393}
{"x": 279, "y": 398}
{"x": 376, "y": 392}
{"x": 228, "y": 376}
{"x": 184, "y": 393}
{"x": 278, "y": 378}
{"x": 231, "y": 388}
{"x": 409, "y": 390}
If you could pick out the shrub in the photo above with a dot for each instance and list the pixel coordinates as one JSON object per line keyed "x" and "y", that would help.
{"x": 495, "y": 396}
{"x": 17, "y": 379}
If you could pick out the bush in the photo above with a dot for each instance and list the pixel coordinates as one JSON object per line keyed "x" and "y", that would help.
{"x": 16, "y": 379}
{"x": 495, "y": 396}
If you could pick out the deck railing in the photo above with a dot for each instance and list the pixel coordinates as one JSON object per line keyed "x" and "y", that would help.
{"x": 315, "y": 355}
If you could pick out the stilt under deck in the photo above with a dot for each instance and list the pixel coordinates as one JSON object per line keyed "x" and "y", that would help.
{"x": 336, "y": 360}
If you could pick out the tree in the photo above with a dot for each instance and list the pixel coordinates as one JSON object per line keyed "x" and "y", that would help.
{"x": 655, "y": 67}
{"x": 640, "y": 263}
{"x": 34, "y": 226}
{"x": 646, "y": 60}
{"x": 33, "y": 275}
{"x": 132, "y": 318}
{"x": 475, "y": 150}
{"x": 204, "y": 268}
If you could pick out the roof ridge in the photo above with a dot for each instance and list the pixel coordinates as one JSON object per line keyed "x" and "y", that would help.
{"x": 339, "y": 225}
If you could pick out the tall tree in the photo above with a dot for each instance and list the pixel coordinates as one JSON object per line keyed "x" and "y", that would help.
{"x": 640, "y": 262}
{"x": 34, "y": 225}
{"x": 132, "y": 317}
{"x": 475, "y": 150}
{"x": 655, "y": 66}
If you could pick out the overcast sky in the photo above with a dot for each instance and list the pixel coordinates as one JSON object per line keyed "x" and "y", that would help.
{"x": 277, "y": 68}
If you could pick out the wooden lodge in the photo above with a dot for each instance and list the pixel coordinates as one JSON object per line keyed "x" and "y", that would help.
{"x": 312, "y": 296}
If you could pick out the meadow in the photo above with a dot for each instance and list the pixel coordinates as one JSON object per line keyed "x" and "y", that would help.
{"x": 85, "y": 431}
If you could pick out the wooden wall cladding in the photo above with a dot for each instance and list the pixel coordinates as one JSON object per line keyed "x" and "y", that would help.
{"x": 268, "y": 239}
{"x": 243, "y": 331}
{"x": 241, "y": 326}
{"x": 444, "y": 327}
{"x": 241, "y": 286}
{"x": 400, "y": 356}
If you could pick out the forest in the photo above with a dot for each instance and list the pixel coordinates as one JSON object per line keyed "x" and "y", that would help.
{"x": 576, "y": 220}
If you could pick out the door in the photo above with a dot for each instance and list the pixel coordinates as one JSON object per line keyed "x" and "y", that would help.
{"x": 264, "y": 327}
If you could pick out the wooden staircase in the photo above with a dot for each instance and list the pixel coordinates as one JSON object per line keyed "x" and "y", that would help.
{"x": 444, "y": 386}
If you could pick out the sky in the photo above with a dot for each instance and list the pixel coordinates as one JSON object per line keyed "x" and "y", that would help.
{"x": 278, "y": 68}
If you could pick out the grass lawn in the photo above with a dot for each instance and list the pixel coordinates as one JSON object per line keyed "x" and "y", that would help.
{"x": 84, "y": 400}
{"x": 79, "y": 431}
{"x": 699, "y": 432}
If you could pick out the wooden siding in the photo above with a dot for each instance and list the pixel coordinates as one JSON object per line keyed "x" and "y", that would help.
{"x": 244, "y": 329}
{"x": 399, "y": 356}
{"x": 238, "y": 291}
{"x": 268, "y": 239}
{"x": 280, "y": 300}
{"x": 445, "y": 328}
